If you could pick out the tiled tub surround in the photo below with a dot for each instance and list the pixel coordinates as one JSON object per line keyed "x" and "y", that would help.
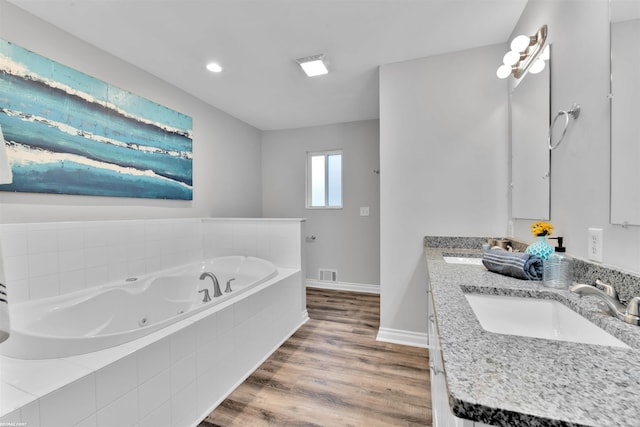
{"x": 177, "y": 375}
{"x": 506, "y": 380}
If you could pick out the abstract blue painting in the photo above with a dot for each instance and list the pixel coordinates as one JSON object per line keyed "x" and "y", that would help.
{"x": 70, "y": 133}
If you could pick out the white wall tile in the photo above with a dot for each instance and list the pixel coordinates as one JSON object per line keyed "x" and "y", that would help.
{"x": 115, "y": 380}
{"x": 17, "y": 291}
{"x": 44, "y": 286}
{"x": 183, "y": 343}
{"x": 69, "y": 405}
{"x": 14, "y": 239}
{"x": 42, "y": 238}
{"x": 12, "y": 398}
{"x": 11, "y": 417}
{"x": 154, "y": 359}
{"x": 153, "y": 393}
{"x": 71, "y": 281}
{"x": 183, "y": 373}
{"x": 16, "y": 267}
{"x": 159, "y": 417}
{"x": 90, "y": 421}
{"x": 122, "y": 412}
{"x": 71, "y": 259}
{"x": 184, "y": 406}
{"x": 43, "y": 264}
{"x": 30, "y": 414}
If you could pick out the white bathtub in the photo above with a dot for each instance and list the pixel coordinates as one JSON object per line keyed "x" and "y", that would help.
{"x": 113, "y": 314}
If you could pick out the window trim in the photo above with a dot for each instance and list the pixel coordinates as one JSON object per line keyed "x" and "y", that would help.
{"x": 308, "y": 191}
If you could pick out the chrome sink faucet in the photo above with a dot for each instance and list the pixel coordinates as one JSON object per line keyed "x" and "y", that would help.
{"x": 629, "y": 314}
{"x": 216, "y": 286}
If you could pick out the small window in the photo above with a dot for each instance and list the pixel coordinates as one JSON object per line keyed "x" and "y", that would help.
{"x": 324, "y": 180}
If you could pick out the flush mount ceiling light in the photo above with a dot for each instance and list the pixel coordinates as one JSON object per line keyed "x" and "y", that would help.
{"x": 214, "y": 67}
{"x": 313, "y": 65}
{"x": 525, "y": 52}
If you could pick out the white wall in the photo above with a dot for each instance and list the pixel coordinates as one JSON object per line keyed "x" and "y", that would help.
{"x": 580, "y": 167}
{"x": 226, "y": 168}
{"x": 345, "y": 241}
{"x": 443, "y": 159}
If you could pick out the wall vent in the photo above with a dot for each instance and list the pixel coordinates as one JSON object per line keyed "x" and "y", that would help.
{"x": 328, "y": 275}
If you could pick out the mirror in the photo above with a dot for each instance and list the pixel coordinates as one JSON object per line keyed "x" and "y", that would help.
{"x": 625, "y": 126}
{"x": 530, "y": 155}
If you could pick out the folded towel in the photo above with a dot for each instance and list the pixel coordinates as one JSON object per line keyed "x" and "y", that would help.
{"x": 6, "y": 176}
{"x": 5, "y": 326}
{"x": 520, "y": 265}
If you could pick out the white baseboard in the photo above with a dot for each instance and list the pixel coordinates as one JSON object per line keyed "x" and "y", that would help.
{"x": 395, "y": 336}
{"x": 344, "y": 286}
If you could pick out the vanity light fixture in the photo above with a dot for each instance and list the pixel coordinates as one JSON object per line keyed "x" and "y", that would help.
{"x": 525, "y": 52}
{"x": 313, "y": 65}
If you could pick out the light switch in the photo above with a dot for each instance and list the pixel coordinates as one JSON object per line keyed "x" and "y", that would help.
{"x": 364, "y": 210}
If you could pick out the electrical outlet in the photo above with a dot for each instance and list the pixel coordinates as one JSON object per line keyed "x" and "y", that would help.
{"x": 594, "y": 249}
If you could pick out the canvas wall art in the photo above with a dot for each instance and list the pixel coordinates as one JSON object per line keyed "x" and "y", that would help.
{"x": 70, "y": 133}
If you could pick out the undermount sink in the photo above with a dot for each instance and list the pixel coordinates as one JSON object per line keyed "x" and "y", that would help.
{"x": 537, "y": 318}
{"x": 462, "y": 260}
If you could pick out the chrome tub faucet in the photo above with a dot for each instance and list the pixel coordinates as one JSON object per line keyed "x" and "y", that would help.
{"x": 216, "y": 286}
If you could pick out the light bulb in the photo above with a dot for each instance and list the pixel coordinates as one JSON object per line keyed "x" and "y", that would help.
{"x": 511, "y": 58}
{"x": 503, "y": 71}
{"x": 520, "y": 43}
{"x": 546, "y": 53}
{"x": 213, "y": 67}
{"x": 537, "y": 66}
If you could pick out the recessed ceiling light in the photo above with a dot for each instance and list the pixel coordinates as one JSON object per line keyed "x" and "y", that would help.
{"x": 214, "y": 67}
{"x": 313, "y": 65}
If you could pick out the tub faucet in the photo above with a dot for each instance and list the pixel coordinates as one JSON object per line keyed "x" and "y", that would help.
{"x": 228, "y": 289}
{"x": 629, "y": 314}
{"x": 207, "y": 297}
{"x": 216, "y": 286}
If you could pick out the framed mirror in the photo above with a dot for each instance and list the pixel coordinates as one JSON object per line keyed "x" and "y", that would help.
{"x": 625, "y": 110}
{"x": 530, "y": 155}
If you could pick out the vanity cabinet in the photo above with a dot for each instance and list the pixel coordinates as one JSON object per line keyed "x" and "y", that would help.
{"x": 440, "y": 410}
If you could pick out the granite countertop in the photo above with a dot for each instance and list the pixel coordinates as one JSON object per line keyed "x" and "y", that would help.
{"x": 507, "y": 380}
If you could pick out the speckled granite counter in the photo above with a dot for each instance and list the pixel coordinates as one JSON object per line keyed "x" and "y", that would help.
{"x": 506, "y": 380}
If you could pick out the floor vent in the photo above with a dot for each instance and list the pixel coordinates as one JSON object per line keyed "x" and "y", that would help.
{"x": 328, "y": 275}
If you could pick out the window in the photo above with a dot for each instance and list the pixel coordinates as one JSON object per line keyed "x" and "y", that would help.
{"x": 324, "y": 180}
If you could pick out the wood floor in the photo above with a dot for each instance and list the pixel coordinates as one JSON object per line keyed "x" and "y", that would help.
{"x": 333, "y": 372}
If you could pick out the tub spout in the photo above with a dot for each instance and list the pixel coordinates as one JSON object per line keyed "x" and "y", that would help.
{"x": 216, "y": 286}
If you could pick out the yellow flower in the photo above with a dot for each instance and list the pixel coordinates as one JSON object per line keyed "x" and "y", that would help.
{"x": 541, "y": 228}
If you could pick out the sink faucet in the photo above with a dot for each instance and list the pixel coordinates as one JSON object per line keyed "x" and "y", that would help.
{"x": 629, "y": 314}
{"x": 216, "y": 286}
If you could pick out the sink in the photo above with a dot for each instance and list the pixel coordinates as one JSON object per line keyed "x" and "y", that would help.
{"x": 538, "y": 318}
{"x": 463, "y": 260}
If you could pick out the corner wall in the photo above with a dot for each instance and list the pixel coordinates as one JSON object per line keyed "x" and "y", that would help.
{"x": 226, "y": 165}
{"x": 443, "y": 171}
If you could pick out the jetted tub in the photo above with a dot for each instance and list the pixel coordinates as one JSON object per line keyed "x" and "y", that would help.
{"x": 113, "y": 314}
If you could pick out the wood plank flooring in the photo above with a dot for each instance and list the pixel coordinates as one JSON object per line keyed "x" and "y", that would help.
{"x": 333, "y": 372}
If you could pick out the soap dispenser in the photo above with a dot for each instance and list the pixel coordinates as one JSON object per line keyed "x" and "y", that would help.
{"x": 557, "y": 270}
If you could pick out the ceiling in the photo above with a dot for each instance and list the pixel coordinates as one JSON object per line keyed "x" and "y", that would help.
{"x": 257, "y": 42}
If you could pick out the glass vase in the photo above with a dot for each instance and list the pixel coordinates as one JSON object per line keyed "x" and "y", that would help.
{"x": 540, "y": 247}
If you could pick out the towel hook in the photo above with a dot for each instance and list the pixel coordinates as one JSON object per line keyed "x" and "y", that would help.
{"x": 573, "y": 112}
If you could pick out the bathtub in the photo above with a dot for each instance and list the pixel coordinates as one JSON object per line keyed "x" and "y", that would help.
{"x": 116, "y": 313}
